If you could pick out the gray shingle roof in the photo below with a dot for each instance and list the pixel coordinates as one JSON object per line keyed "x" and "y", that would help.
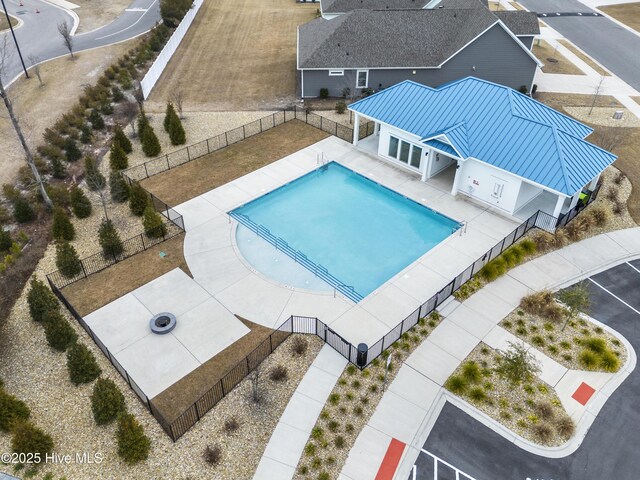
{"x": 390, "y": 38}
{"x": 345, "y": 6}
{"x": 520, "y": 22}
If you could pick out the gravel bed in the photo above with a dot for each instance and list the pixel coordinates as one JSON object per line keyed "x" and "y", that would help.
{"x": 604, "y": 116}
{"x": 358, "y": 394}
{"x": 513, "y": 405}
{"x": 564, "y": 346}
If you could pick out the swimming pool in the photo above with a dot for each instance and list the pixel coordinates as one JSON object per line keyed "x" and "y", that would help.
{"x": 361, "y": 232}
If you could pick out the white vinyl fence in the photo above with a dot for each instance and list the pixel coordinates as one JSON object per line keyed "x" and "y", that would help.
{"x": 152, "y": 76}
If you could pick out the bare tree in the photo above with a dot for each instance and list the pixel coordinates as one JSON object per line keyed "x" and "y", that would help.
{"x": 67, "y": 38}
{"x": 97, "y": 184}
{"x": 130, "y": 111}
{"x": 178, "y": 101}
{"x": 255, "y": 379}
{"x": 35, "y": 68}
{"x": 596, "y": 94}
{"x": 16, "y": 126}
{"x": 139, "y": 96}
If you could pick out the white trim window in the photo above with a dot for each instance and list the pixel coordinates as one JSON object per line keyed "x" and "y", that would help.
{"x": 336, "y": 73}
{"x": 405, "y": 152}
{"x": 362, "y": 79}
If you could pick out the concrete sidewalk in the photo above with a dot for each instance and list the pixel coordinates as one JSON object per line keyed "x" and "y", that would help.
{"x": 282, "y": 454}
{"x": 409, "y": 409}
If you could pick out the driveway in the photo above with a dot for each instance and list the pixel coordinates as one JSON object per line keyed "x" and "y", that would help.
{"x": 610, "y": 44}
{"x": 39, "y": 36}
{"x": 610, "y": 447}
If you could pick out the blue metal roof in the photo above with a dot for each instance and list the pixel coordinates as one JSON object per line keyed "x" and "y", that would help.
{"x": 496, "y": 125}
{"x": 444, "y": 147}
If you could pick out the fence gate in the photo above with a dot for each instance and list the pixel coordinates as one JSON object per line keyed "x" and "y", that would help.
{"x": 336, "y": 342}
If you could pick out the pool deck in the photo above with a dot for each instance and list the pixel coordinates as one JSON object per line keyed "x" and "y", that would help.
{"x": 217, "y": 266}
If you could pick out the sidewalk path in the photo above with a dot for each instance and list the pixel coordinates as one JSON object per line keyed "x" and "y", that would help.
{"x": 410, "y": 408}
{"x": 287, "y": 442}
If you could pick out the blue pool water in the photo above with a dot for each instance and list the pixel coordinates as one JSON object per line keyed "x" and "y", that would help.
{"x": 360, "y": 231}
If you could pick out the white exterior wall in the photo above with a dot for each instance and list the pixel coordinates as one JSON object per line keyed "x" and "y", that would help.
{"x": 439, "y": 163}
{"x": 383, "y": 145}
{"x": 527, "y": 193}
{"x": 478, "y": 180}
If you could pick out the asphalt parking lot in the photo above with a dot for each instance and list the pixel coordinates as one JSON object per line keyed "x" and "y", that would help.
{"x": 610, "y": 449}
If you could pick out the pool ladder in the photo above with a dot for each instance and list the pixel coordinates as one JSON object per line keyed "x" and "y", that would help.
{"x": 321, "y": 160}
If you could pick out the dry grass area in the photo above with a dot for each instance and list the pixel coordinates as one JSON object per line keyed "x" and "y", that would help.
{"x": 626, "y": 141}
{"x": 238, "y": 55}
{"x": 530, "y": 408}
{"x": 97, "y": 13}
{"x": 218, "y": 168}
{"x": 585, "y": 58}
{"x": 112, "y": 283}
{"x": 636, "y": 99}
{"x": 547, "y": 53}
{"x": 4, "y": 24}
{"x": 185, "y": 392}
{"x": 516, "y": 5}
{"x": 61, "y": 75}
{"x": 627, "y": 13}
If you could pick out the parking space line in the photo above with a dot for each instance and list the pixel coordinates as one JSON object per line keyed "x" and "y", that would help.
{"x": 613, "y": 295}
{"x": 633, "y": 267}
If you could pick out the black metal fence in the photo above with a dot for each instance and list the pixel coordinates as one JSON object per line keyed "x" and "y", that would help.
{"x": 197, "y": 150}
{"x": 99, "y": 261}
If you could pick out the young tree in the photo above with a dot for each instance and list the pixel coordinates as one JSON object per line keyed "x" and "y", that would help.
{"x": 41, "y": 300}
{"x": 28, "y": 439}
{"x": 82, "y": 365}
{"x": 120, "y": 138}
{"x": 35, "y": 68}
{"x": 62, "y": 227}
{"x": 80, "y": 203}
{"x": 18, "y": 129}
{"x": 22, "y": 210}
{"x": 107, "y": 401}
{"x": 96, "y": 120}
{"x": 60, "y": 335}
{"x": 67, "y": 260}
{"x": 255, "y": 381}
{"x": 178, "y": 100}
{"x": 138, "y": 199}
{"x": 71, "y": 150}
{"x": 95, "y": 179}
{"x": 58, "y": 170}
{"x": 150, "y": 143}
{"x": 168, "y": 115}
{"x": 173, "y": 11}
{"x": 118, "y": 188}
{"x": 109, "y": 240}
{"x": 174, "y": 127}
{"x": 154, "y": 227}
{"x": 577, "y": 299}
{"x": 517, "y": 364}
{"x": 67, "y": 39}
{"x": 133, "y": 444}
{"x": 117, "y": 157}
{"x": 5, "y": 240}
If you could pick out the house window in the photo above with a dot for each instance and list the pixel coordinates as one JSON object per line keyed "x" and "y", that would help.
{"x": 336, "y": 73}
{"x": 393, "y": 147}
{"x": 416, "y": 156}
{"x": 363, "y": 79}
{"x": 404, "y": 152}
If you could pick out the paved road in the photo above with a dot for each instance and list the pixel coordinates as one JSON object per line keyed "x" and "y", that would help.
{"x": 39, "y": 35}
{"x": 610, "y": 449}
{"x": 610, "y": 44}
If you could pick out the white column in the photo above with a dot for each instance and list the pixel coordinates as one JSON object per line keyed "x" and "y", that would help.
{"x": 456, "y": 179}
{"x": 376, "y": 128}
{"x": 427, "y": 164}
{"x": 558, "y": 209}
{"x": 356, "y": 128}
{"x": 594, "y": 183}
{"x": 574, "y": 200}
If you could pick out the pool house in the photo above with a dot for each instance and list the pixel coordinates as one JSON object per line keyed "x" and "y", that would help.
{"x": 486, "y": 141}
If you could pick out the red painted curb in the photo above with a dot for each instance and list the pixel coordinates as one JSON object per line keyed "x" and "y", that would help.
{"x": 391, "y": 460}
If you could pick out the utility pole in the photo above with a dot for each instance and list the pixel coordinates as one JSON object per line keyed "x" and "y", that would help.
{"x": 13, "y": 34}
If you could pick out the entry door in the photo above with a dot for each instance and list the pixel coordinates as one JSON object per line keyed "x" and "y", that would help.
{"x": 497, "y": 189}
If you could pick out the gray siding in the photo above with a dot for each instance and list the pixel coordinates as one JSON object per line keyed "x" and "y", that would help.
{"x": 495, "y": 56}
{"x": 528, "y": 41}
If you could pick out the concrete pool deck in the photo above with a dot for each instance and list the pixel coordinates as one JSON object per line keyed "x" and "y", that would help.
{"x": 217, "y": 266}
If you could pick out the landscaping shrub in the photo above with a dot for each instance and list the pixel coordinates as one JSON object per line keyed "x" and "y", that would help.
{"x": 588, "y": 359}
{"x": 41, "y": 300}
{"x": 95, "y": 179}
{"x": 341, "y": 107}
{"x": 324, "y": 93}
{"x": 121, "y": 139}
{"x": 59, "y": 195}
{"x": 118, "y": 187}
{"x": 154, "y": 227}
{"x": 544, "y": 410}
{"x": 177, "y": 134}
{"x": 133, "y": 444}
{"x": 542, "y": 432}
{"x": 339, "y": 441}
{"x": 117, "y": 157}
{"x": 138, "y": 199}
{"x": 278, "y": 373}
{"x": 172, "y": 11}
{"x": 478, "y": 394}
{"x": 150, "y": 143}
{"x": 22, "y": 210}
{"x": 117, "y": 95}
{"x": 67, "y": 260}
{"x": 29, "y": 439}
{"x": 299, "y": 346}
{"x": 578, "y": 227}
{"x": 107, "y": 401}
{"x": 62, "y": 227}
{"x": 516, "y": 364}
{"x": 456, "y": 384}
{"x": 82, "y": 365}
{"x": 231, "y": 425}
{"x": 565, "y": 427}
{"x": 5, "y": 240}
{"x": 71, "y": 150}
{"x": 544, "y": 241}
{"x": 12, "y": 410}
{"x": 494, "y": 269}
{"x": 58, "y": 170}
{"x": 80, "y": 203}
{"x": 609, "y": 361}
{"x": 96, "y": 120}
{"x": 212, "y": 455}
{"x": 109, "y": 240}
{"x": 471, "y": 372}
{"x": 599, "y": 216}
{"x": 596, "y": 345}
{"x": 60, "y": 335}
